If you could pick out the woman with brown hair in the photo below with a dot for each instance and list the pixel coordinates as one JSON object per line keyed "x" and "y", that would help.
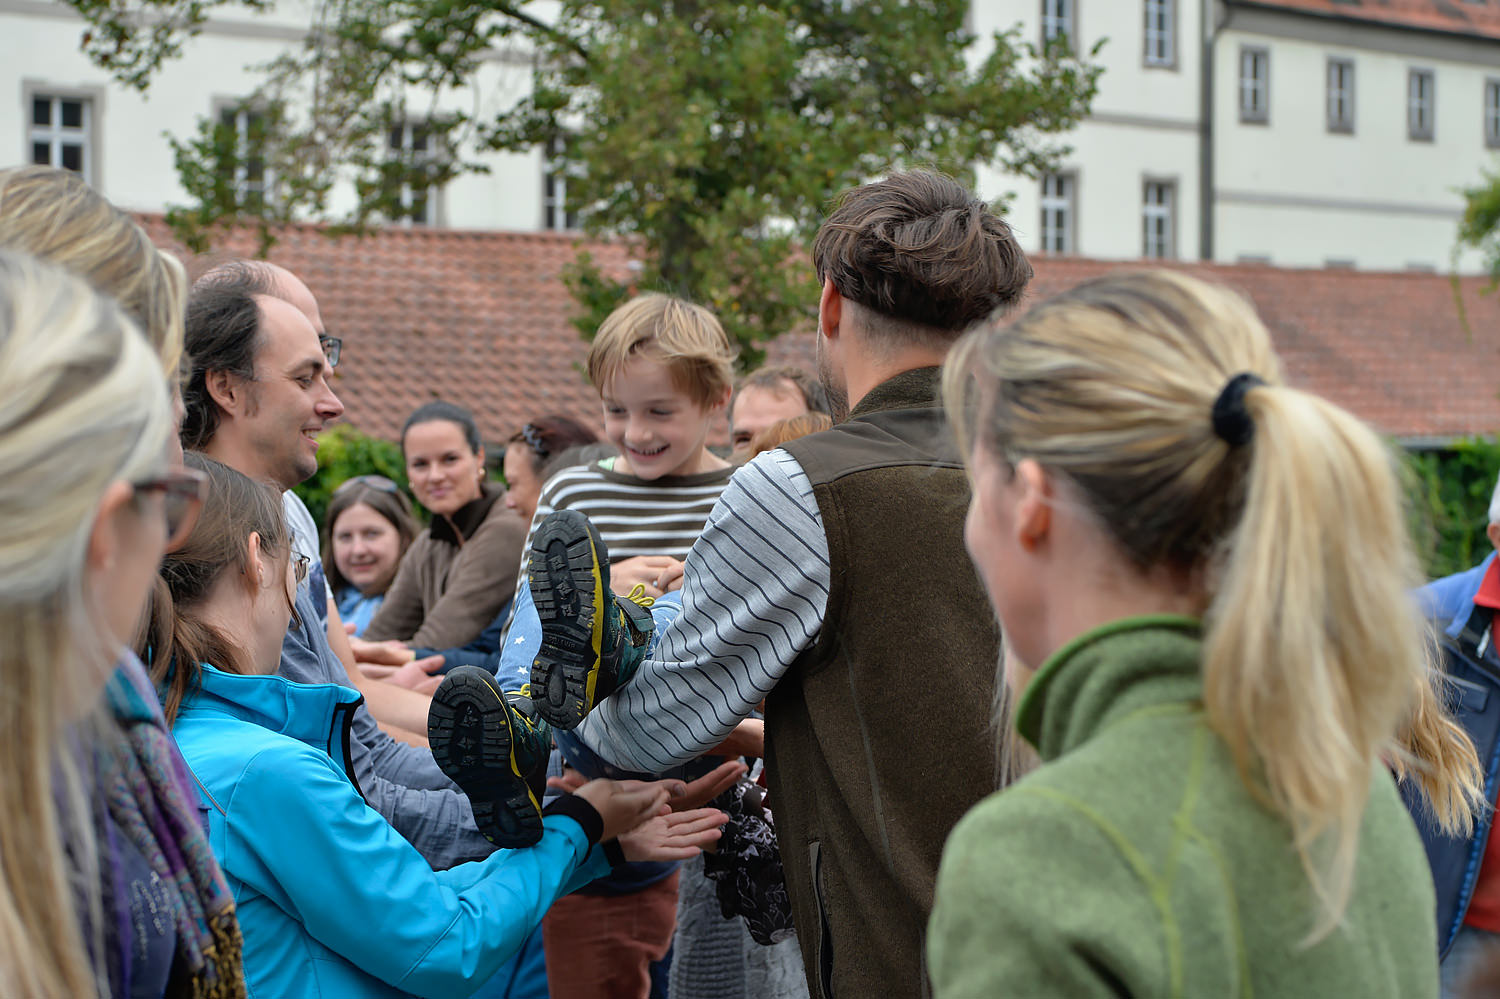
{"x": 370, "y": 526}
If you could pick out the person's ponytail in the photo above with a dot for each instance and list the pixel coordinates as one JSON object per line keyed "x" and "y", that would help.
{"x": 1314, "y": 652}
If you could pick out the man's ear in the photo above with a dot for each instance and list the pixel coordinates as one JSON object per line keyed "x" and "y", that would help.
{"x": 1493, "y": 533}
{"x": 830, "y": 310}
{"x": 1033, "y": 518}
{"x": 104, "y": 539}
{"x": 225, "y": 389}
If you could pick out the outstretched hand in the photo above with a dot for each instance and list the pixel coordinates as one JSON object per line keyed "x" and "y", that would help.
{"x": 685, "y": 797}
{"x": 708, "y": 787}
{"x": 625, "y": 804}
{"x": 674, "y": 836}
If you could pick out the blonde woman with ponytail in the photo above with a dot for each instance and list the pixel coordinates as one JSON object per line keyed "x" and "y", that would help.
{"x": 1203, "y": 576}
{"x": 88, "y": 503}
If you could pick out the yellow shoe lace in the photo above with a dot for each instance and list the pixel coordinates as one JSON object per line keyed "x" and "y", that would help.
{"x": 637, "y": 595}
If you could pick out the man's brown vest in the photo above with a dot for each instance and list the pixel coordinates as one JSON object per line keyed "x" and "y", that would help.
{"x": 879, "y": 737}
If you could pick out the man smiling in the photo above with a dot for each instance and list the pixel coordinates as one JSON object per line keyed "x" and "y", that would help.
{"x": 257, "y": 397}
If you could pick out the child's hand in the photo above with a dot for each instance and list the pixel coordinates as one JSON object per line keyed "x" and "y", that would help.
{"x": 625, "y": 804}
{"x": 676, "y": 836}
{"x": 657, "y": 573}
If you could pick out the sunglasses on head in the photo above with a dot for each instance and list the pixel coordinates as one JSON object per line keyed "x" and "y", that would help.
{"x": 533, "y": 438}
{"x": 379, "y": 483}
{"x": 183, "y": 491}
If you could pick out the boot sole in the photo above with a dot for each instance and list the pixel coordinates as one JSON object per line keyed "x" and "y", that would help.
{"x": 469, "y": 730}
{"x": 568, "y": 588}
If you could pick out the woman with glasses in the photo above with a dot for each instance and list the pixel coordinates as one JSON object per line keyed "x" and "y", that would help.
{"x": 370, "y": 526}
{"x": 333, "y": 901}
{"x": 1203, "y": 576}
{"x": 107, "y": 886}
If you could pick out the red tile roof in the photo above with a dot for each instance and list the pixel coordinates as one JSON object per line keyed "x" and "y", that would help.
{"x": 1454, "y": 16}
{"x": 481, "y": 318}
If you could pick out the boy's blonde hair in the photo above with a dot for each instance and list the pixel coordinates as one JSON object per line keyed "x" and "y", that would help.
{"x": 687, "y": 338}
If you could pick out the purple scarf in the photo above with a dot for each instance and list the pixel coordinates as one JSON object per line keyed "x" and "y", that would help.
{"x": 153, "y": 803}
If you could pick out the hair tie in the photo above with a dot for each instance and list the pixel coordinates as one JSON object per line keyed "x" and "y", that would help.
{"x": 1231, "y": 419}
{"x": 533, "y": 438}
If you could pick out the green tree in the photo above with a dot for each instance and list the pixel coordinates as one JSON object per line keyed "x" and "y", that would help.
{"x": 712, "y": 134}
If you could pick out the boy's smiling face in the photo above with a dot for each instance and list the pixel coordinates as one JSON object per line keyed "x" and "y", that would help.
{"x": 659, "y": 428}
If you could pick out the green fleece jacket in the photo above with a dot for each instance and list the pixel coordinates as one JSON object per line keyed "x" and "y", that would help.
{"x": 1135, "y": 862}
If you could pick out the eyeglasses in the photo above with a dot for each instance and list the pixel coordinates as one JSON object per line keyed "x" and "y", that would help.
{"x": 183, "y": 492}
{"x": 300, "y": 564}
{"x": 331, "y": 345}
{"x": 377, "y": 482}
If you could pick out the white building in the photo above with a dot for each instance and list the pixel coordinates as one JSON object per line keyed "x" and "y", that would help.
{"x": 62, "y": 109}
{"x": 1303, "y": 133}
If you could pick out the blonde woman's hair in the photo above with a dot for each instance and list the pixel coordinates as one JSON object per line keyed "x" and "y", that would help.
{"x": 687, "y": 338}
{"x": 82, "y": 404}
{"x": 52, "y": 214}
{"x": 1317, "y": 667}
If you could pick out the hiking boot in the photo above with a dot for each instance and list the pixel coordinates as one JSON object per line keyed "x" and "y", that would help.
{"x": 591, "y": 642}
{"x": 486, "y": 741}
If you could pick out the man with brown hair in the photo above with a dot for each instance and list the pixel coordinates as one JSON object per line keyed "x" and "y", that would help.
{"x": 832, "y": 581}
{"x": 768, "y": 395}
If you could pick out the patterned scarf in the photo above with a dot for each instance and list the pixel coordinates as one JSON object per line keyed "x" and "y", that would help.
{"x": 152, "y": 802}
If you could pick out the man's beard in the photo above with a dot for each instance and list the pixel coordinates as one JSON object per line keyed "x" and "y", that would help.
{"x": 838, "y": 395}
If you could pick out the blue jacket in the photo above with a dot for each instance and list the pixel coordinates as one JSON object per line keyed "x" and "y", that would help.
{"x": 1474, "y": 699}
{"x": 331, "y": 900}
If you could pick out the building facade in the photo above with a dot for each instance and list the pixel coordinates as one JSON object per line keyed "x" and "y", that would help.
{"x": 58, "y": 107}
{"x": 1300, "y": 133}
{"x": 1304, "y": 133}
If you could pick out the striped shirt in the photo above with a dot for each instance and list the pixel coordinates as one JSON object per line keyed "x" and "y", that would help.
{"x": 753, "y": 599}
{"x": 634, "y": 516}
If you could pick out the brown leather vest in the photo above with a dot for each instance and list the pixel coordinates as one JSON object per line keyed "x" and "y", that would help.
{"x": 879, "y": 737}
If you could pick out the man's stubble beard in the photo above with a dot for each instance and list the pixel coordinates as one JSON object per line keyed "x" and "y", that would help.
{"x": 838, "y": 395}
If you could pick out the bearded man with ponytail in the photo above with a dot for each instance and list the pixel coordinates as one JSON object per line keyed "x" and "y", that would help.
{"x": 1203, "y": 576}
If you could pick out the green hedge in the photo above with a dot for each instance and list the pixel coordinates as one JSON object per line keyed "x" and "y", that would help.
{"x": 1450, "y": 493}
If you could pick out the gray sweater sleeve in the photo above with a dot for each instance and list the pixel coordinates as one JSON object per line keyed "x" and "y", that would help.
{"x": 399, "y": 781}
